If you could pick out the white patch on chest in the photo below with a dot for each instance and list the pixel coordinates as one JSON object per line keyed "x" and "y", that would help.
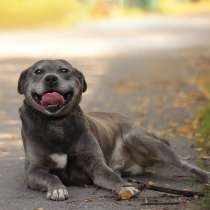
{"x": 59, "y": 159}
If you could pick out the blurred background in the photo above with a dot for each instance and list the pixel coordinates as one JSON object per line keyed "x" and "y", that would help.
{"x": 148, "y": 59}
{"x": 24, "y": 13}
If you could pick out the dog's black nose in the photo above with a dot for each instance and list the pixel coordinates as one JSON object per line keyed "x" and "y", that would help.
{"x": 51, "y": 79}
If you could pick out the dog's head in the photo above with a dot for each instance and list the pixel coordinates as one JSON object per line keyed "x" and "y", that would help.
{"x": 52, "y": 87}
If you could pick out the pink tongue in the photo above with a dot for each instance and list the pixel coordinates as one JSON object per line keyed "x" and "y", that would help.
{"x": 53, "y": 98}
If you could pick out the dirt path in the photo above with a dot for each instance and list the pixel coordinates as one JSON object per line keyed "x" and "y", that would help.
{"x": 157, "y": 89}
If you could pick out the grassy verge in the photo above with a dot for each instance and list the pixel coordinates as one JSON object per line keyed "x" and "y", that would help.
{"x": 203, "y": 123}
{"x": 203, "y": 143}
{"x": 204, "y": 129}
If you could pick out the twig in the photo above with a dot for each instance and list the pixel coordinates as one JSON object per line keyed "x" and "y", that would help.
{"x": 160, "y": 203}
{"x": 187, "y": 193}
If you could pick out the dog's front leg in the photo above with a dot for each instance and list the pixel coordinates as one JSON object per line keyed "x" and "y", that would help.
{"x": 40, "y": 179}
{"x": 105, "y": 177}
{"x": 102, "y": 175}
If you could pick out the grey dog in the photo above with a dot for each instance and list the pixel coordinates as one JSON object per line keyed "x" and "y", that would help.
{"x": 63, "y": 146}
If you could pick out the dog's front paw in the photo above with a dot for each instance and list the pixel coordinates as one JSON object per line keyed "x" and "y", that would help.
{"x": 58, "y": 194}
{"x": 127, "y": 192}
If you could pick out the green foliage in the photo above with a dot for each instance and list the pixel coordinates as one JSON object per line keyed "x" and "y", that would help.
{"x": 204, "y": 203}
{"x": 208, "y": 87}
{"x": 204, "y": 125}
{"x": 204, "y": 131}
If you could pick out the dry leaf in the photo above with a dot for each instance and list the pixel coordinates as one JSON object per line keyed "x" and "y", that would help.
{"x": 205, "y": 157}
{"x": 125, "y": 195}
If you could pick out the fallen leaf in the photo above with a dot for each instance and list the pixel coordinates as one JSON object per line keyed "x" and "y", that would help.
{"x": 198, "y": 149}
{"x": 125, "y": 195}
{"x": 205, "y": 157}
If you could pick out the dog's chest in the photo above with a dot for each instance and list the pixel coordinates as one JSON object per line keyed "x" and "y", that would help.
{"x": 56, "y": 131}
{"x": 59, "y": 159}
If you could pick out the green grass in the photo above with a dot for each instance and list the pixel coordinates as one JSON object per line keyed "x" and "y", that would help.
{"x": 208, "y": 87}
{"x": 203, "y": 130}
{"x": 203, "y": 122}
{"x": 204, "y": 203}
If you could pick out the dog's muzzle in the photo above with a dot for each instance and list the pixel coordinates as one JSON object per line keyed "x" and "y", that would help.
{"x": 52, "y": 101}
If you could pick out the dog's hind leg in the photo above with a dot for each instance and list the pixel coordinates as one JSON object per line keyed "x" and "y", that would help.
{"x": 140, "y": 149}
{"x": 147, "y": 149}
{"x": 203, "y": 176}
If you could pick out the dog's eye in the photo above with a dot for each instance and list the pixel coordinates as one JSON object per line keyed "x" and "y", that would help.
{"x": 64, "y": 70}
{"x": 38, "y": 71}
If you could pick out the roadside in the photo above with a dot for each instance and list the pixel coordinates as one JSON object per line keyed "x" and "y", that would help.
{"x": 200, "y": 127}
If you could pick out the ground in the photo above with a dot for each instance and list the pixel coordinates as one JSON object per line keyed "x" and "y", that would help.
{"x": 145, "y": 68}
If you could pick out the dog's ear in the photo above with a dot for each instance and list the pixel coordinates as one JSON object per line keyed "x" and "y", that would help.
{"x": 21, "y": 81}
{"x": 82, "y": 80}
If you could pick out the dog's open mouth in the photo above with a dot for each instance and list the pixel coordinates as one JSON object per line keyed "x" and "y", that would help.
{"x": 52, "y": 101}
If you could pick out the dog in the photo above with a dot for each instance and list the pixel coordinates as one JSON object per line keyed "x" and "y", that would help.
{"x": 63, "y": 146}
